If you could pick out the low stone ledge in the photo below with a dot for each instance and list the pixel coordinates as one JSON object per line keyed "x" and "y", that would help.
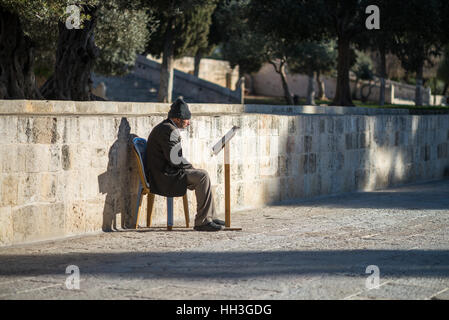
{"x": 56, "y": 107}
{"x": 330, "y": 110}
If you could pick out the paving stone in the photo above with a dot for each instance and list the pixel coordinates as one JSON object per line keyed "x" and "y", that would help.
{"x": 314, "y": 249}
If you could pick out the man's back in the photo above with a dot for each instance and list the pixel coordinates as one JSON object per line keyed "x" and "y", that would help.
{"x": 166, "y": 178}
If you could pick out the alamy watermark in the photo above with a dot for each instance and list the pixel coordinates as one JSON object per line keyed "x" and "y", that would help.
{"x": 372, "y": 282}
{"x": 73, "y": 21}
{"x": 373, "y": 20}
{"x": 73, "y": 280}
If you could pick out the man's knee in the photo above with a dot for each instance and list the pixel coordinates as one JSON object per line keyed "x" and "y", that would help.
{"x": 204, "y": 174}
{"x": 197, "y": 176}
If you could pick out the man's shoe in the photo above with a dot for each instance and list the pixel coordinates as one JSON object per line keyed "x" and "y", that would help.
{"x": 211, "y": 226}
{"x": 219, "y": 222}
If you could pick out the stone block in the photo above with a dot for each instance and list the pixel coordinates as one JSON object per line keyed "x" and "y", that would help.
{"x": 273, "y": 190}
{"x": 274, "y": 125}
{"x": 322, "y": 125}
{"x": 111, "y": 128}
{"x": 308, "y": 125}
{"x": 263, "y": 146}
{"x": 292, "y": 125}
{"x": 24, "y": 131}
{"x": 425, "y": 153}
{"x": 283, "y": 166}
{"x": 236, "y": 172}
{"x": 66, "y": 157}
{"x": 360, "y": 124}
{"x": 6, "y": 229}
{"x": 274, "y": 146}
{"x": 332, "y": 143}
{"x": 9, "y": 189}
{"x": 442, "y": 150}
{"x": 348, "y": 181}
{"x": 47, "y": 187}
{"x": 348, "y": 124}
{"x": 38, "y": 106}
{"x": 298, "y": 187}
{"x": 361, "y": 178}
{"x": 267, "y": 167}
{"x": 54, "y": 164}
{"x": 45, "y": 130}
{"x": 37, "y": 158}
{"x": 301, "y": 125}
{"x": 349, "y": 141}
{"x": 363, "y": 140}
{"x": 75, "y": 217}
{"x": 54, "y": 218}
{"x": 325, "y": 183}
{"x": 8, "y": 129}
{"x": 94, "y": 218}
{"x": 308, "y": 144}
{"x": 28, "y": 188}
{"x": 12, "y": 158}
{"x": 27, "y": 223}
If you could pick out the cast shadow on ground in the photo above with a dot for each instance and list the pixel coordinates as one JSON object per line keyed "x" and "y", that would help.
{"x": 233, "y": 265}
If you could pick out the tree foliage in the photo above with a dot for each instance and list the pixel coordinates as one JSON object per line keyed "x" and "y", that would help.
{"x": 313, "y": 56}
{"x": 122, "y": 33}
{"x": 188, "y": 23}
{"x": 119, "y": 26}
{"x": 239, "y": 45}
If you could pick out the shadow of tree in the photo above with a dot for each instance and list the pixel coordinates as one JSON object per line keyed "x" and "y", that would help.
{"x": 431, "y": 195}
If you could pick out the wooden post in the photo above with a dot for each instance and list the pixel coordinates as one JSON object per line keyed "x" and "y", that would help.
{"x": 224, "y": 143}
{"x": 186, "y": 209}
{"x": 227, "y": 186}
{"x": 150, "y": 205}
{"x": 139, "y": 202}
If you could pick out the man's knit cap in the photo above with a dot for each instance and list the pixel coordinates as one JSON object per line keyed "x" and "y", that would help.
{"x": 179, "y": 109}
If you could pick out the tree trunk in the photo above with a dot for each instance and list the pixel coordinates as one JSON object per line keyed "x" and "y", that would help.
{"x": 383, "y": 75}
{"x": 166, "y": 78}
{"x": 321, "y": 87}
{"x": 75, "y": 58}
{"x": 354, "y": 92}
{"x": 343, "y": 90}
{"x": 281, "y": 71}
{"x": 446, "y": 86}
{"x": 311, "y": 90}
{"x": 196, "y": 68}
{"x": 419, "y": 87}
{"x": 17, "y": 79}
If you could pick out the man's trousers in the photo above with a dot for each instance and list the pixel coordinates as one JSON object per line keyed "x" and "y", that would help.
{"x": 198, "y": 180}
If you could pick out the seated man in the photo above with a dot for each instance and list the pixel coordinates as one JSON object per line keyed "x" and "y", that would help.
{"x": 170, "y": 174}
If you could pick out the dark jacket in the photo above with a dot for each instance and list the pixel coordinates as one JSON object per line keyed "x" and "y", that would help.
{"x": 164, "y": 164}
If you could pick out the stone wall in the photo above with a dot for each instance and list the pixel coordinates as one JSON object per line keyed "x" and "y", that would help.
{"x": 266, "y": 82}
{"x": 66, "y": 168}
{"x": 212, "y": 70}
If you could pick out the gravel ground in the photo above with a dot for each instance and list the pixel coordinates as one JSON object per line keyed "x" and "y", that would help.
{"x": 322, "y": 248}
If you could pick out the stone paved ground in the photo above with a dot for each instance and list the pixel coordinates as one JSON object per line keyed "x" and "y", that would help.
{"x": 316, "y": 249}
